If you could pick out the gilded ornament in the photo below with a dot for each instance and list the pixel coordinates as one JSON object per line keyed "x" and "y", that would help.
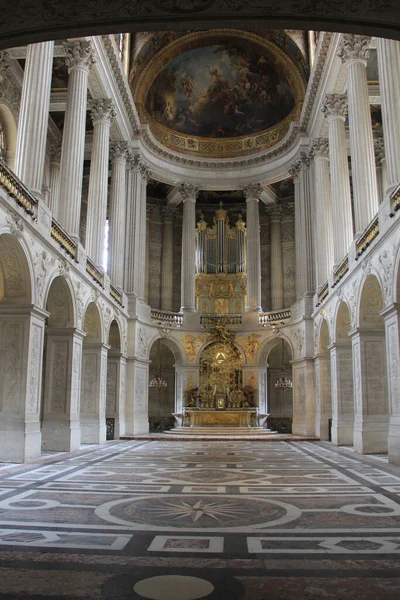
{"x": 250, "y": 344}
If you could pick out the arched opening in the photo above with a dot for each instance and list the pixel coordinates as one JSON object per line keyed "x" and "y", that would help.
{"x": 8, "y": 135}
{"x": 21, "y": 342}
{"x": 161, "y": 387}
{"x": 280, "y": 397}
{"x": 369, "y": 363}
{"x": 322, "y": 363}
{"x": 94, "y": 379}
{"x": 342, "y": 380}
{"x": 59, "y": 414}
{"x": 115, "y": 400}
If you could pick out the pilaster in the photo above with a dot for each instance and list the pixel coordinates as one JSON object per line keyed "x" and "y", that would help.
{"x": 253, "y": 248}
{"x": 188, "y": 194}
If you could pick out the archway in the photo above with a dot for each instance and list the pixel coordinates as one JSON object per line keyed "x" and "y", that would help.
{"x": 342, "y": 380}
{"x": 161, "y": 386}
{"x": 116, "y": 373}
{"x": 369, "y": 364}
{"x": 21, "y": 343}
{"x": 322, "y": 363}
{"x": 280, "y": 398}
{"x": 94, "y": 379}
{"x": 61, "y": 376}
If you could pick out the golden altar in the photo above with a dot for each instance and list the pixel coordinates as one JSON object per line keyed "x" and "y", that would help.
{"x": 220, "y": 418}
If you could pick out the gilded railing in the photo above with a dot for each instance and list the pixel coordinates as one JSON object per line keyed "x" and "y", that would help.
{"x": 116, "y": 294}
{"x": 395, "y": 200}
{"x": 63, "y": 239}
{"x": 16, "y": 189}
{"x": 166, "y": 318}
{"x": 275, "y": 317}
{"x": 220, "y": 319}
{"x": 323, "y": 293}
{"x": 340, "y": 271}
{"x": 94, "y": 272}
{"x": 367, "y": 237}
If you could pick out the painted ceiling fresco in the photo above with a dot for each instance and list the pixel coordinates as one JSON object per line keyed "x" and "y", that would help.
{"x": 221, "y": 89}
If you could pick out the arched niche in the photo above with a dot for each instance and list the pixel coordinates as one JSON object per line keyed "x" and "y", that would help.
{"x": 60, "y": 305}
{"x": 371, "y": 303}
{"x": 161, "y": 399}
{"x": 342, "y": 324}
{"x": 92, "y": 324}
{"x": 15, "y": 277}
{"x": 280, "y": 402}
{"x": 115, "y": 392}
{"x": 10, "y": 133}
{"x": 114, "y": 338}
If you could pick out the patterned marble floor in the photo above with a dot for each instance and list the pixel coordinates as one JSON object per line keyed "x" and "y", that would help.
{"x": 214, "y": 520}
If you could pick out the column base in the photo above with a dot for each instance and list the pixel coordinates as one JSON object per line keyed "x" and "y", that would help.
{"x": 20, "y": 442}
{"x": 139, "y": 427}
{"x": 93, "y": 430}
{"x": 371, "y": 435}
{"x": 61, "y": 435}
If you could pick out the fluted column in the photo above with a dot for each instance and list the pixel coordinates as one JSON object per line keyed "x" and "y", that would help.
{"x": 102, "y": 112}
{"x": 303, "y": 226}
{"x": 354, "y": 54}
{"x": 117, "y": 220}
{"x": 381, "y": 168}
{"x": 253, "y": 248}
{"x": 135, "y": 257}
{"x": 389, "y": 85}
{"x": 167, "y": 258}
{"x": 188, "y": 272}
{"x": 323, "y": 212}
{"x": 79, "y": 57}
{"x": 54, "y": 200}
{"x": 149, "y": 216}
{"x": 34, "y": 116}
{"x": 335, "y": 109}
{"x": 275, "y": 214}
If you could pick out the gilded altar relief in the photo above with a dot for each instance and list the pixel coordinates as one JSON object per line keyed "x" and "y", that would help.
{"x": 220, "y": 93}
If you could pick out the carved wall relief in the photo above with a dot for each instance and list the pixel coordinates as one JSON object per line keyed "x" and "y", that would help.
{"x": 12, "y": 339}
{"x": 89, "y": 369}
{"x": 35, "y": 364}
{"x": 59, "y": 371}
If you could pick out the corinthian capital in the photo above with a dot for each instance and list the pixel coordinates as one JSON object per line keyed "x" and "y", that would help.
{"x": 79, "y": 54}
{"x": 102, "y": 109}
{"x": 334, "y": 105}
{"x": 188, "y": 191}
{"x": 119, "y": 151}
{"x": 354, "y": 47}
{"x": 320, "y": 147}
{"x": 295, "y": 169}
{"x": 253, "y": 190}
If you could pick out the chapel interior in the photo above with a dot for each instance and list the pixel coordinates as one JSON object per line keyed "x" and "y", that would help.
{"x": 199, "y": 245}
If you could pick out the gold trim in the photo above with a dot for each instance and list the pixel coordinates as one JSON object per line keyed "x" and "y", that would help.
{"x": 216, "y": 147}
{"x": 367, "y": 237}
{"x": 63, "y": 239}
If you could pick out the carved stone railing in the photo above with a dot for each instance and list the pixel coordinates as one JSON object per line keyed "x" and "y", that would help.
{"x": 275, "y": 317}
{"x": 367, "y": 237}
{"x": 166, "y": 318}
{"x": 63, "y": 239}
{"x": 323, "y": 293}
{"x": 340, "y": 271}
{"x": 395, "y": 200}
{"x": 116, "y": 294}
{"x": 16, "y": 189}
{"x": 94, "y": 272}
{"x": 228, "y": 320}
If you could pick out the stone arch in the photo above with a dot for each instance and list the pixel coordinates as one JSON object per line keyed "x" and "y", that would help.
{"x": 10, "y": 132}
{"x": 114, "y": 337}
{"x": 162, "y": 400}
{"x": 266, "y": 347}
{"x": 324, "y": 337}
{"x": 278, "y": 353}
{"x": 115, "y": 389}
{"x": 370, "y": 301}
{"x": 15, "y": 272}
{"x": 60, "y": 303}
{"x": 92, "y": 323}
{"x": 342, "y": 323}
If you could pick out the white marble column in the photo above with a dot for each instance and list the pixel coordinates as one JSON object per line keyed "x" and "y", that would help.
{"x": 79, "y": 56}
{"x": 34, "y": 116}
{"x": 335, "y": 110}
{"x": 392, "y": 337}
{"x": 275, "y": 215}
{"x": 323, "y": 212}
{"x": 303, "y": 205}
{"x": 188, "y": 194}
{"x": 253, "y": 248}
{"x": 167, "y": 258}
{"x": 381, "y": 168}
{"x": 54, "y": 201}
{"x": 354, "y": 54}
{"x": 116, "y": 254}
{"x": 102, "y": 112}
{"x": 60, "y": 427}
{"x": 389, "y": 85}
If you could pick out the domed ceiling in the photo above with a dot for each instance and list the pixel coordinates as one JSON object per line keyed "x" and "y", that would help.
{"x": 220, "y": 93}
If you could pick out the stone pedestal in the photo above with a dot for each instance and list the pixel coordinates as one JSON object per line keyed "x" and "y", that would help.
{"x": 60, "y": 426}
{"x": 342, "y": 395}
{"x": 93, "y": 397}
{"x": 21, "y": 345}
{"x": 371, "y": 418}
